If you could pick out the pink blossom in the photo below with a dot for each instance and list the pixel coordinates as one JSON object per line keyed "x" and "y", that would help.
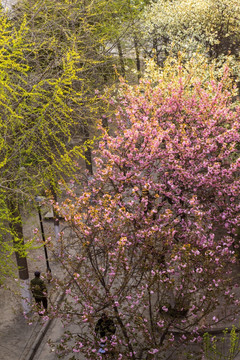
{"x": 153, "y": 351}
{"x": 142, "y": 228}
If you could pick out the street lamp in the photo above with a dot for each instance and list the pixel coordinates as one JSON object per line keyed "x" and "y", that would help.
{"x": 39, "y": 200}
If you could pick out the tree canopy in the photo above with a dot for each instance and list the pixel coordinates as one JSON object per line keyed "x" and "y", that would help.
{"x": 143, "y": 243}
{"x": 208, "y": 26}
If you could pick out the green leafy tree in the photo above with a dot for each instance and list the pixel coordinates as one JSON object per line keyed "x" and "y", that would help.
{"x": 11, "y": 89}
{"x": 91, "y": 30}
{"x": 58, "y": 59}
{"x": 36, "y": 128}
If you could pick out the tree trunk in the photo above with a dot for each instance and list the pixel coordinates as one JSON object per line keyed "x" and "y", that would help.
{"x": 138, "y": 64}
{"x": 155, "y": 48}
{"x": 121, "y": 58}
{"x": 15, "y": 225}
{"x": 88, "y": 152}
{"x": 105, "y": 123}
{"x": 55, "y": 216}
{"x": 124, "y": 331}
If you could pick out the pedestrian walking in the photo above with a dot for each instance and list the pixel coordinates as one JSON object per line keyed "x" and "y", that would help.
{"x": 106, "y": 328}
{"x": 39, "y": 292}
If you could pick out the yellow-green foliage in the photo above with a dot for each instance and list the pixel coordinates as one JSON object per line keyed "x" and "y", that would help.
{"x": 69, "y": 59}
{"x": 223, "y": 347}
{"x": 54, "y": 56}
{"x": 37, "y": 121}
{"x": 59, "y": 100}
{"x": 11, "y": 61}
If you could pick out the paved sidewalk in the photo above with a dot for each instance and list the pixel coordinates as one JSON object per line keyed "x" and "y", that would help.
{"x": 16, "y": 335}
{"x": 14, "y": 330}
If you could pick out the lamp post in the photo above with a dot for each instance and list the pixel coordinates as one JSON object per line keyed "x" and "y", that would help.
{"x": 39, "y": 199}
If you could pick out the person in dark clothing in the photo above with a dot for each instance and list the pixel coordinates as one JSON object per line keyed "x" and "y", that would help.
{"x": 39, "y": 291}
{"x": 106, "y": 328}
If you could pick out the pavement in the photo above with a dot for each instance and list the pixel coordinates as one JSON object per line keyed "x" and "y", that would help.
{"x": 18, "y": 339}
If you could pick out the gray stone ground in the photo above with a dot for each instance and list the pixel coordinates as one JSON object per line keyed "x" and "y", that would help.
{"x": 16, "y": 336}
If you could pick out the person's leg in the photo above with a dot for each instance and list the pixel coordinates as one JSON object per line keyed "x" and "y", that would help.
{"x": 102, "y": 346}
{"x": 38, "y": 304}
{"x": 45, "y": 303}
{"x": 103, "y": 342}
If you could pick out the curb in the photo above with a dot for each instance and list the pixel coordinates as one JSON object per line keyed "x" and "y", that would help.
{"x": 30, "y": 353}
{"x": 217, "y": 331}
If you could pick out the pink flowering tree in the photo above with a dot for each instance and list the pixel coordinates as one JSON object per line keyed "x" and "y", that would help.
{"x": 150, "y": 237}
